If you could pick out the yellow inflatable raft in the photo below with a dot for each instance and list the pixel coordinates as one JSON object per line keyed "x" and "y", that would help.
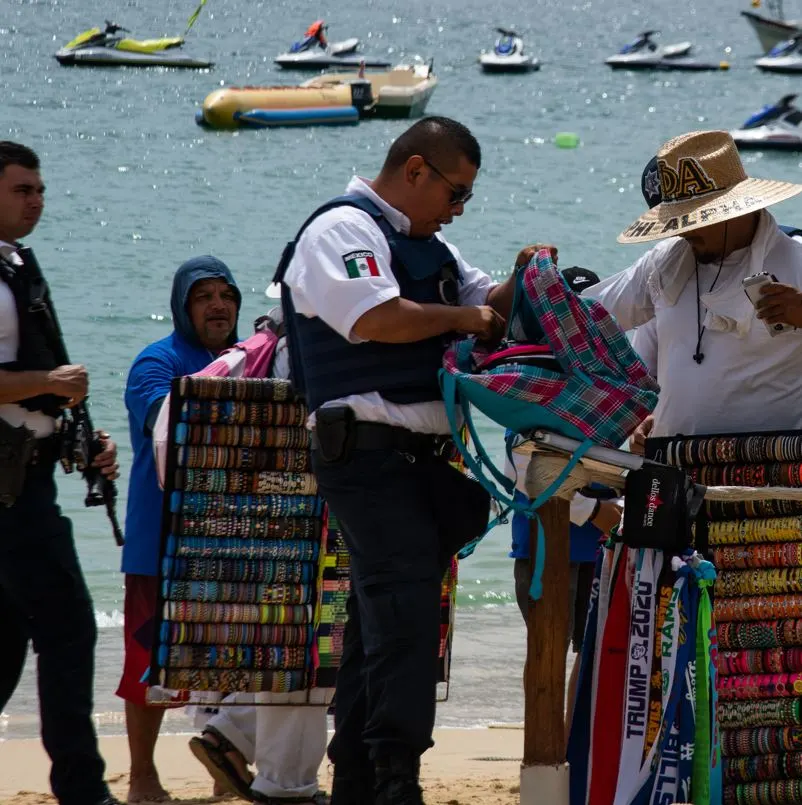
{"x": 225, "y": 107}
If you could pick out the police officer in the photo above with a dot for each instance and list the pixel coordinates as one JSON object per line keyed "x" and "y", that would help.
{"x": 373, "y": 294}
{"x": 43, "y": 596}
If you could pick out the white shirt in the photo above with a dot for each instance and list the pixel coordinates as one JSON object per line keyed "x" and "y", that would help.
{"x": 318, "y": 277}
{"x": 12, "y": 413}
{"x": 748, "y": 381}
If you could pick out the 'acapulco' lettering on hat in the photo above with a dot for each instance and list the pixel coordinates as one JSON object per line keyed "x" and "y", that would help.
{"x": 688, "y": 181}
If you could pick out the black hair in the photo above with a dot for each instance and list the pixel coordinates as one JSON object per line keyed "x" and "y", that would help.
{"x": 16, "y": 154}
{"x": 437, "y": 139}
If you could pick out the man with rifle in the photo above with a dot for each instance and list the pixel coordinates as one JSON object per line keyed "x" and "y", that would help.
{"x": 43, "y": 595}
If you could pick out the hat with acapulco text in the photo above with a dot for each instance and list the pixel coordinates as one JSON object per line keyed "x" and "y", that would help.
{"x": 701, "y": 181}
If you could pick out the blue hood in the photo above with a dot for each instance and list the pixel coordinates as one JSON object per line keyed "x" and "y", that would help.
{"x": 190, "y": 272}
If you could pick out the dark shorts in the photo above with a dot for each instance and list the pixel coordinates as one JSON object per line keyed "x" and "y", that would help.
{"x": 579, "y": 587}
{"x": 141, "y": 598}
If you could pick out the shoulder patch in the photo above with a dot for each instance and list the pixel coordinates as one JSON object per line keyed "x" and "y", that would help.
{"x": 360, "y": 264}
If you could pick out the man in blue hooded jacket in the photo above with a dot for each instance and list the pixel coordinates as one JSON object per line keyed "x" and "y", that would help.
{"x": 205, "y": 304}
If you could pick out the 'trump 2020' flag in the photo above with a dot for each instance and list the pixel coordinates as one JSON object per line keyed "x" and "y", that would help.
{"x": 361, "y": 264}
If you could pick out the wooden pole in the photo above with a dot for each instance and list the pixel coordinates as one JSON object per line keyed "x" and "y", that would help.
{"x": 544, "y": 773}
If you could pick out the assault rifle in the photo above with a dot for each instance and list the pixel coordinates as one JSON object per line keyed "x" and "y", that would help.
{"x": 80, "y": 443}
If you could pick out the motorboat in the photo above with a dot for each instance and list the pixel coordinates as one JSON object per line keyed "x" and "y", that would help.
{"x": 315, "y": 52}
{"x": 110, "y": 48}
{"x": 771, "y": 30}
{"x": 786, "y": 57}
{"x": 774, "y": 127}
{"x": 402, "y": 92}
{"x": 643, "y": 53}
{"x": 508, "y": 55}
{"x": 235, "y": 107}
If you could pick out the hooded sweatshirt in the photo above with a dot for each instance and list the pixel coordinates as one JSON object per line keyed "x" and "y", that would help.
{"x": 180, "y": 353}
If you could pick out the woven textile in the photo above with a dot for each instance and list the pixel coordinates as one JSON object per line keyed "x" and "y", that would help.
{"x": 214, "y": 505}
{"x": 258, "y": 658}
{"x": 233, "y": 548}
{"x": 233, "y": 592}
{"x": 242, "y": 436}
{"x": 760, "y": 634}
{"x": 255, "y": 483}
{"x": 765, "y": 713}
{"x": 235, "y": 634}
{"x": 786, "y": 766}
{"x": 733, "y": 449}
{"x": 787, "y": 554}
{"x": 738, "y": 532}
{"x": 759, "y": 686}
{"x": 778, "y": 792}
{"x": 761, "y": 741}
{"x": 243, "y": 458}
{"x": 301, "y": 528}
{"x": 757, "y": 661}
{"x": 229, "y": 412}
{"x": 735, "y": 510}
{"x": 788, "y": 474}
{"x": 197, "y": 612}
{"x": 238, "y": 570}
{"x": 758, "y": 608}
{"x": 235, "y": 681}
{"x": 225, "y": 388}
{"x": 759, "y": 582}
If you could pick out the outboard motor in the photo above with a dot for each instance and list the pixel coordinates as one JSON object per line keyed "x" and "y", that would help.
{"x": 361, "y": 94}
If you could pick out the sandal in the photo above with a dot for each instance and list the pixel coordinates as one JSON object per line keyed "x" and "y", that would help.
{"x": 213, "y": 757}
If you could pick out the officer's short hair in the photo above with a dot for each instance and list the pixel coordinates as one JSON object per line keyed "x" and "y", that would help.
{"x": 16, "y": 154}
{"x": 437, "y": 139}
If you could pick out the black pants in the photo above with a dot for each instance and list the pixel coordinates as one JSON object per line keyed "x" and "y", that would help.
{"x": 43, "y": 598}
{"x": 400, "y": 540}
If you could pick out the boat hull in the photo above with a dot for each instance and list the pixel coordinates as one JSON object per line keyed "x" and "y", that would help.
{"x": 503, "y": 66}
{"x": 625, "y": 63}
{"x": 290, "y": 61}
{"x": 770, "y": 32}
{"x": 110, "y": 57}
{"x": 780, "y": 64}
{"x": 320, "y": 116}
{"x": 766, "y": 140}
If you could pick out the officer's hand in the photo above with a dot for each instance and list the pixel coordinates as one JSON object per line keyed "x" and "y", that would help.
{"x": 609, "y": 516}
{"x": 637, "y": 442}
{"x": 106, "y": 461}
{"x": 70, "y": 381}
{"x": 483, "y": 322}
{"x": 780, "y": 304}
{"x": 528, "y": 252}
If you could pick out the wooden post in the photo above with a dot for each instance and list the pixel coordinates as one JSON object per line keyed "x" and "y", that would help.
{"x": 544, "y": 772}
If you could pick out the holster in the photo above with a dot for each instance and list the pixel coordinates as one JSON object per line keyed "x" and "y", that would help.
{"x": 335, "y": 433}
{"x": 16, "y": 451}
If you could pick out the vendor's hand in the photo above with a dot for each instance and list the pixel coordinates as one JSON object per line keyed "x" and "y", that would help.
{"x": 608, "y": 516}
{"x": 637, "y": 442}
{"x": 70, "y": 381}
{"x": 481, "y": 321}
{"x": 106, "y": 461}
{"x": 528, "y": 252}
{"x": 780, "y": 304}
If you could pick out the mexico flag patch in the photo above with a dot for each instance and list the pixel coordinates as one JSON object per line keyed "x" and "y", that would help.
{"x": 360, "y": 264}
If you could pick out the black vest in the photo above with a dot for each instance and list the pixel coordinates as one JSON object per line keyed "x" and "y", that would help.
{"x": 36, "y": 351}
{"x": 325, "y": 366}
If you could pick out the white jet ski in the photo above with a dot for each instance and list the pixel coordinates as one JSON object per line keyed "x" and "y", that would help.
{"x": 315, "y": 53}
{"x": 508, "y": 55}
{"x": 645, "y": 54}
{"x": 786, "y": 57}
{"x": 775, "y": 127}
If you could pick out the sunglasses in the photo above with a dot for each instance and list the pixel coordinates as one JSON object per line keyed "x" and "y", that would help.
{"x": 457, "y": 196}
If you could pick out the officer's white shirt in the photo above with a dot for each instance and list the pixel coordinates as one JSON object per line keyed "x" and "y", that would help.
{"x": 12, "y": 413}
{"x": 321, "y": 286}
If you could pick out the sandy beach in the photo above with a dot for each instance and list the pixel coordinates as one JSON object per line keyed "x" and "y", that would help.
{"x": 465, "y": 766}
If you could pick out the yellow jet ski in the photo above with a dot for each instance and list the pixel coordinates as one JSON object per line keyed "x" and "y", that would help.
{"x": 108, "y": 48}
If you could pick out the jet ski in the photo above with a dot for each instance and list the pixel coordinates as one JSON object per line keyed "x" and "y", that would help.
{"x": 508, "y": 55}
{"x": 315, "y": 52}
{"x": 786, "y": 57}
{"x": 644, "y": 53}
{"x": 774, "y": 127}
{"x": 109, "y": 48}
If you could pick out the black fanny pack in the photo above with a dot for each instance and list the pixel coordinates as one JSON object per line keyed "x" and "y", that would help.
{"x": 17, "y": 446}
{"x": 660, "y": 504}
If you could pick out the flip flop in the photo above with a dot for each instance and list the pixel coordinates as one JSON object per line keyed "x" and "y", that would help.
{"x": 213, "y": 757}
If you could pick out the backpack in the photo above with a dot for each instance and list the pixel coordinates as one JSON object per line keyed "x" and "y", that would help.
{"x": 596, "y": 390}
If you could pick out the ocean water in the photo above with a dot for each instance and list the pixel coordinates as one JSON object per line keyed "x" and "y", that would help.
{"x": 135, "y": 188}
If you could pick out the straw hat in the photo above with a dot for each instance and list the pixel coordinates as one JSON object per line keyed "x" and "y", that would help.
{"x": 702, "y": 182}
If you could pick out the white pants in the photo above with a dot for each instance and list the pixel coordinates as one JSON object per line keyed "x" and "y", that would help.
{"x": 286, "y": 744}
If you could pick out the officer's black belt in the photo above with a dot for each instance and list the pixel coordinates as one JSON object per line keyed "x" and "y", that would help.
{"x": 378, "y": 436}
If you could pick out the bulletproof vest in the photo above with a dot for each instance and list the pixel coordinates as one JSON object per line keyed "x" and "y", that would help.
{"x": 36, "y": 351}
{"x": 325, "y": 366}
